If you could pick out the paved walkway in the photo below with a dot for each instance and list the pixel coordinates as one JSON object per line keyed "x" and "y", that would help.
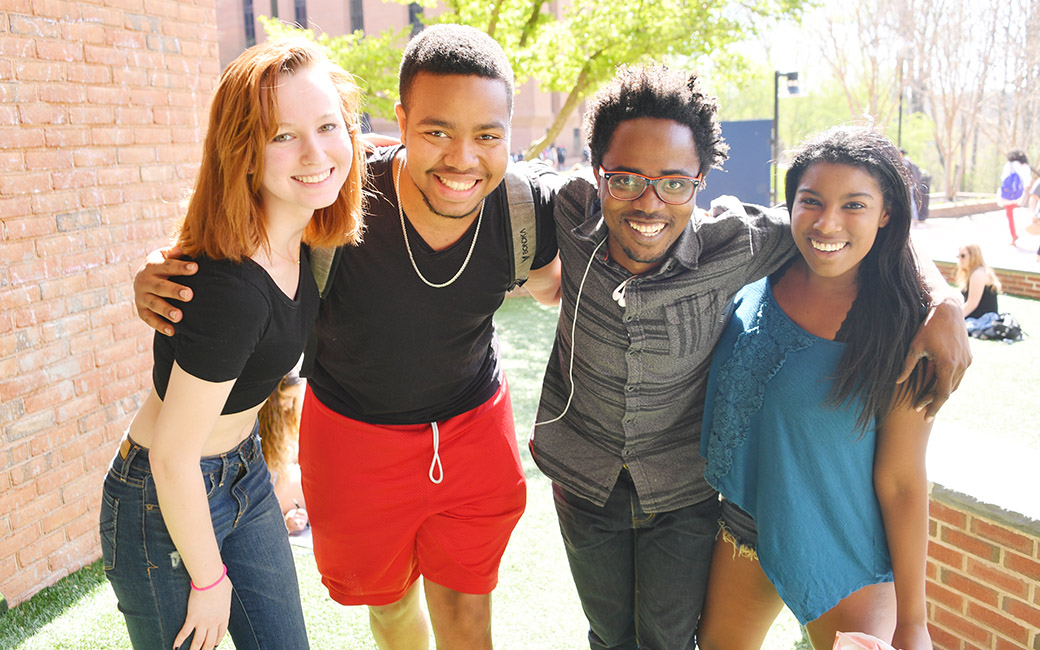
{"x": 940, "y": 238}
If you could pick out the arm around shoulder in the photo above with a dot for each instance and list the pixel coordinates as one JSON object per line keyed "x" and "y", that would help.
{"x": 152, "y": 287}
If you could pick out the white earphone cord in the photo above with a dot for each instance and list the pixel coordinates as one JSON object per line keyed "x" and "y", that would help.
{"x": 574, "y": 323}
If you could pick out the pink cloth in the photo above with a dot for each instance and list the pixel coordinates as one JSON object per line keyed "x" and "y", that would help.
{"x": 859, "y": 641}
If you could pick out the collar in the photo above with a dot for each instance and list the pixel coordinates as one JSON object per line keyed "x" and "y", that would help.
{"x": 686, "y": 250}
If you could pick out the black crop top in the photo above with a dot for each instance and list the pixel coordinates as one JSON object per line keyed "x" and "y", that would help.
{"x": 239, "y": 324}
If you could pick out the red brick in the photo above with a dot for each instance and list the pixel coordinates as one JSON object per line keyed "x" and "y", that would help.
{"x": 124, "y": 175}
{"x": 17, "y": 47}
{"x": 86, "y": 485}
{"x": 963, "y": 628}
{"x": 52, "y": 202}
{"x": 40, "y": 548}
{"x": 92, "y": 115}
{"x": 972, "y": 588}
{"x": 102, "y": 15}
{"x": 943, "y": 639}
{"x": 1022, "y": 565}
{"x": 12, "y": 137}
{"x": 32, "y": 114}
{"x": 1004, "y": 644}
{"x": 75, "y": 178}
{"x": 66, "y": 137}
{"x": 19, "y": 251}
{"x": 9, "y": 117}
{"x": 971, "y": 544}
{"x": 1003, "y": 536}
{"x": 13, "y": 498}
{"x": 25, "y": 183}
{"x": 998, "y": 622}
{"x": 86, "y": 33}
{"x": 20, "y": 385}
{"x": 28, "y": 471}
{"x": 38, "y": 71}
{"x": 40, "y": 357}
{"x": 58, "y": 9}
{"x": 1004, "y": 581}
{"x": 89, "y": 73}
{"x": 152, "y": 135}
{"x": 34, "y": 26}
{"x": 947, "y": 515}
{"x": 12, "y": 208}
{"x": 59, "y": 50}
{"x": 1022, "y": 611}
{"x": 28, "y": 513}
{"x": 949, "y": 598}
{"x": 45, "y": 160}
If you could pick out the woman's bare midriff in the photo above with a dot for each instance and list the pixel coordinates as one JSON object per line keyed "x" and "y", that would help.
{"x": 227, "y": 433}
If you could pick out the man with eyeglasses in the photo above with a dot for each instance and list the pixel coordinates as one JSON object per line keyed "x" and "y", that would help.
{"x": 647, "y": 288}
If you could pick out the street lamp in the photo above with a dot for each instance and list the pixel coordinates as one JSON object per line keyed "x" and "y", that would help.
{"x": 792, "y": 89}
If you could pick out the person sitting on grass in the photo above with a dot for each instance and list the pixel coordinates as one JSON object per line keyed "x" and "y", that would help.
{"x": 978, "y": 283}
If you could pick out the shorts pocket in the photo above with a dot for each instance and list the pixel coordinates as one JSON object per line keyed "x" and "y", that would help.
{"x": 109, "y": 523}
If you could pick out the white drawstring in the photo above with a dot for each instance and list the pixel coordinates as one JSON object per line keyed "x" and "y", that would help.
{"x": 436, "y": 463}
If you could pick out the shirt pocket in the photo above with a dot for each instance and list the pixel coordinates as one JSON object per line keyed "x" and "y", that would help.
{"x": 692, "y": 324}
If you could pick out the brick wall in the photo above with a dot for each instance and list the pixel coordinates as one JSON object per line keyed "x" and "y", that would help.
{"x": 1012, "y": 281}
{"x": 102, "y": 105}
{"x": 983, "y": 574}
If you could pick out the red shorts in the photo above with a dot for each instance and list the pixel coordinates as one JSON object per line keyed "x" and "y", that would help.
{"x": 379, "y": 520}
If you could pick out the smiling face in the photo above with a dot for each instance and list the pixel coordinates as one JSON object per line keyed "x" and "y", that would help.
{"x": 308, "y": 159}
{"x": 837, "y": 212}
{"x": 456, "y": 135}
{"x": 643, "y": 231}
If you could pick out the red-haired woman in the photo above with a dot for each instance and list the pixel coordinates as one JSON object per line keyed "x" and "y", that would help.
{"x": 192, "y": 536}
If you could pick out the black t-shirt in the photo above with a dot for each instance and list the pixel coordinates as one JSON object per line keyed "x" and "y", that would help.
{"x": 238, "y": 324}
{"x": 392, "y": 350}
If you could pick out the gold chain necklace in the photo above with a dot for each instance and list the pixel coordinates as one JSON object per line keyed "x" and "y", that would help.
{"x": 287, "y": 259}
{"x": 404, "y": 231}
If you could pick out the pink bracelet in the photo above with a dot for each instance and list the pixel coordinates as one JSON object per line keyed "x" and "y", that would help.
{"x": 224, "y": 573}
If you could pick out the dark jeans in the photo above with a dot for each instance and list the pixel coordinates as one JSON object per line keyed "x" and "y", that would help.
{"x": 641, "y": 576}
{"x": 151, "y": 582}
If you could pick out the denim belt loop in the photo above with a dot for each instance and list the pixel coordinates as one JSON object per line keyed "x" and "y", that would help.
{"x": 223, "y": 468}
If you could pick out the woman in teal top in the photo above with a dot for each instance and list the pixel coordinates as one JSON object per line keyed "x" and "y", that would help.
{"x": 818, "y": 453}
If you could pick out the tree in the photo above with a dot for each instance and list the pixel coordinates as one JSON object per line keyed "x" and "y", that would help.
{"x": 574, "y": 52}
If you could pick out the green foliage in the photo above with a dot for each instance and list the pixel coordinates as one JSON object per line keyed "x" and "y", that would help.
{"x": 373, "y": 60}
{"x": 574, "y": 54}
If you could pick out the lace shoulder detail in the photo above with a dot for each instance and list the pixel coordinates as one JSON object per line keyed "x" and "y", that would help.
{"x": 758, "y": 354}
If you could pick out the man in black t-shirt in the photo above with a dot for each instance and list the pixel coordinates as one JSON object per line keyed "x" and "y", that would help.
{"x": 407, "y": 447}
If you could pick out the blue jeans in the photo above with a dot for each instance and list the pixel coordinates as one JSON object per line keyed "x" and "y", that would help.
{"x": 146, "y": 571}
{"x": 641, "y": 576}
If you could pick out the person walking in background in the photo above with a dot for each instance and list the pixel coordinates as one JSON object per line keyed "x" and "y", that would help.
{"x": 281, "y": 167}
{"x": 978, "y": 283}
{"x": 818, "y": 453}
{"x": 1015, "y": 178}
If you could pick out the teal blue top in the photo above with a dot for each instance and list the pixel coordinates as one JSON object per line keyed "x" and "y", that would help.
{"x": 777, "y": 449}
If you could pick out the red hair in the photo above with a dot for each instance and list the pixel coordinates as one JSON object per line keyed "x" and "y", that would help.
{"x": 225, "y": 217}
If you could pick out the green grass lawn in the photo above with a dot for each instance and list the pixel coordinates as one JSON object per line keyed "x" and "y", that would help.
{"x": 535, "y": 605}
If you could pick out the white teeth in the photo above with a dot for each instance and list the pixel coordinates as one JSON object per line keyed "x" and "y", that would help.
{"x": 456, "y": 185}
{"x": 316, "y": 178}
{"x": 827, "y": 248}
{"x": 647, "y": 228}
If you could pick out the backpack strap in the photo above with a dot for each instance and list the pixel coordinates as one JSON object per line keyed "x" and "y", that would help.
{"x": 323, "y": 263}
{"x": 522, "y": 223}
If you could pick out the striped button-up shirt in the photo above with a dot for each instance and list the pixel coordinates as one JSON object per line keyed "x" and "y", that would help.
{"x": 640, "y": 371}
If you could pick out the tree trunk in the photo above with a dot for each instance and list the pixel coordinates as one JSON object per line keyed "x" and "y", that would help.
{"x": 573, "y": 99}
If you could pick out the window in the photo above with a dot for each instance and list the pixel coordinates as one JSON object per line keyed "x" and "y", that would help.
{"x": 301, "y": 12}
{"x": 357, "y": 15}
{"x": 250, "y": 22}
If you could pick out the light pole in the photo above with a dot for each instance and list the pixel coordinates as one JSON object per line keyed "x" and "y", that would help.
{"x": 792, "y": 89}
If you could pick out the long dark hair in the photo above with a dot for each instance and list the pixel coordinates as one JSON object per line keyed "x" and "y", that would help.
{"x": 891, "y": 302}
